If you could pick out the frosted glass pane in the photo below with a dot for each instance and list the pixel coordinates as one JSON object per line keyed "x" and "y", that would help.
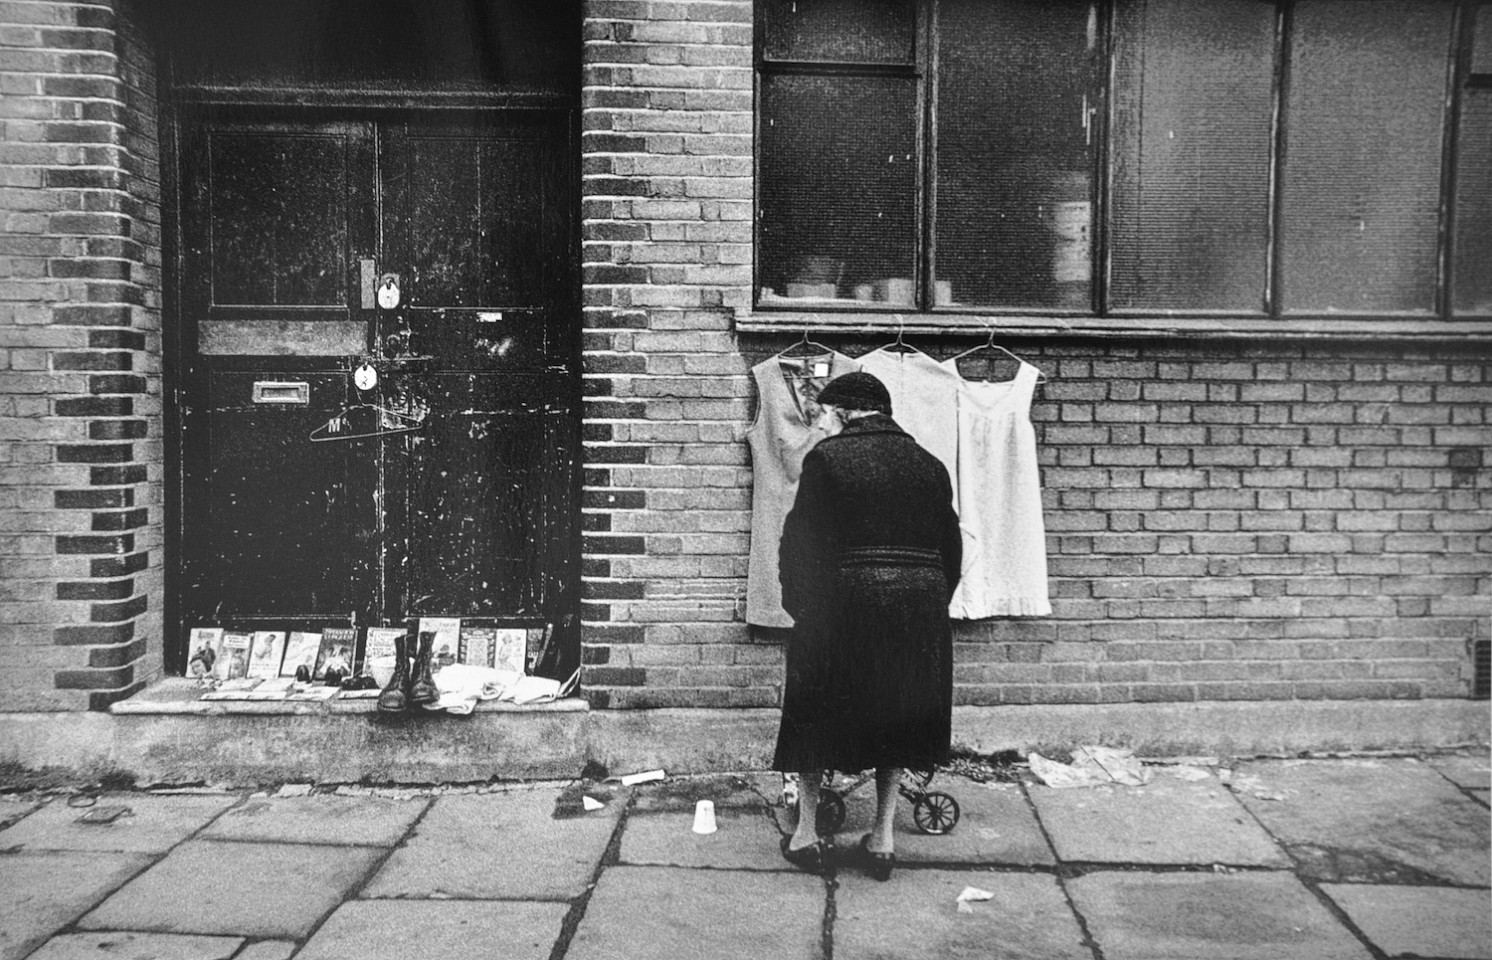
{"x": 1361, "y": 179}
{"x": 847, "y": 31}
{"x": 1018, "y": 92}
{"x": 838, "y": 188}
{"x": 1473, "y": 243}
{"x": 1192, "y": 131}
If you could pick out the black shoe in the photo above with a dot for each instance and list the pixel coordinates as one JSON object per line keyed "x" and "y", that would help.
{"x": 810, "y": 858}
{"x": 878, "y": 865}
{"x": 395, "y": 695}
{"x": 422, "y": 687}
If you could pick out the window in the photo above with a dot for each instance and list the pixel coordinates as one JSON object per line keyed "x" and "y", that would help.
{"x": 1226, "y": 158}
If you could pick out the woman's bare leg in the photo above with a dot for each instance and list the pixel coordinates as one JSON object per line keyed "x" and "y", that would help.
{"x": 807, "y": 831}
{"x": 887, "y": 780}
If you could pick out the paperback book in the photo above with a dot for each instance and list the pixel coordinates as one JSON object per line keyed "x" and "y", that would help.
{"x": 512, "y": 646}
{"x": 380, "y": 642}
{"x": 478, "y": 644}
{"x": 204, "y": 646}
{"x": 447, "y": 632}
{"x": 338, "y": 644}
{"x": 300, "y": 651}
{"x": 233, "y": 657}
{"x": 275, "y": 688}
{"x": 268, "y": 650}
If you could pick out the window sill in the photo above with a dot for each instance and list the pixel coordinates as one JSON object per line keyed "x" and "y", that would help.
{"x": 1147, "y": 327}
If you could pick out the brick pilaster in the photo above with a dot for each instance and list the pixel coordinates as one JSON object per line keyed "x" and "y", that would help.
{"x": 80, "y": 317}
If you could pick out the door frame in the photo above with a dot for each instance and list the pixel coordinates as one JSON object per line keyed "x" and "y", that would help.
{"x": 180, "y": 105}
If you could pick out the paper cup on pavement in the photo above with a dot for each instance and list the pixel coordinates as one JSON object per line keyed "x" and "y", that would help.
{"x": 704, "y": 816}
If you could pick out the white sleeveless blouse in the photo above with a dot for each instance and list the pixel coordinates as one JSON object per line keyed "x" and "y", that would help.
{"x": 999, "y": 501}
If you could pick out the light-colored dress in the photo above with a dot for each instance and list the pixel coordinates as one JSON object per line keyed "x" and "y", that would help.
{"x": 784, "y": 430}
{"x": 924, "y": 396}
{"x": 999, "y": 501}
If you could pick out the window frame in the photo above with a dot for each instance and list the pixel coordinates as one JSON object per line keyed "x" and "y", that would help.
{"x": 783, "y": 314}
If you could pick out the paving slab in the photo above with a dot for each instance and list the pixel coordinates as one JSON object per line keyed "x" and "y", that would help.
{"x": 322, "y": 818}
{"x": 151, "y": 825}
{"x": 43, "y": 892}
{"x": 1166, "y": 821}
{"x": 13, "y": 810}
{"x": 915, "y": 916}
{"x": 745, "y": 839}
{"x": 725, "y": 790}
{"x": 995, "y": 826}
{"x": 498, "y": 846}
{"x": 401, "y": 930}
{"x": 1485, "y": 796}
{"x": 247, "y": 889}
{"x": 1184, "y": 916}
{"x": 268, "y": 950}
{"x": 1419, "y": 921}
{"x": 671, "y": 913}
{"x": 125, "y": 945}
{"x": 1396, "y": 821}
{"x": 1465, "y": 770}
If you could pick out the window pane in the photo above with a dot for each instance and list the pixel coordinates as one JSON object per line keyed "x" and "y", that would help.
{"x": 1361, "y": 179}
{"x": 1193, "y": 123}
{"x": 279, "y": 219}
{"x": 1016, "y": 99}
{"x": 838, "y": 187}
{"x": 1473, "y": 265}
{"x": 1481, "y": 39}
{"x": 850, "y": 31}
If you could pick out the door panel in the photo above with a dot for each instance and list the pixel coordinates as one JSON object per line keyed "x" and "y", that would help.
{"x": 475, "y": 513}
{"x": 285, "y": 535}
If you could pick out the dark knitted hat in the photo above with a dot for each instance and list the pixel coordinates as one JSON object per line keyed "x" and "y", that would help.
{"x": 856, "y": 391}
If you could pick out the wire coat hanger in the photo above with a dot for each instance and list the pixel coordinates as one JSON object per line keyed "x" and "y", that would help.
{"x": 386, "y": 422}
{"x": 990, "y": 344}
{"x": 806, "y": 343}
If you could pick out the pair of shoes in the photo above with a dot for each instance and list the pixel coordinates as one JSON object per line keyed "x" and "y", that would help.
{"x": 879, "y": 864}
{"x": 410, "y": 686}
{"x": 810, "y": 858}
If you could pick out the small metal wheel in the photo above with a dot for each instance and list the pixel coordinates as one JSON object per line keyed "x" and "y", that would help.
{"x": 831, "y": 813}
{"x": 935, "y": 812}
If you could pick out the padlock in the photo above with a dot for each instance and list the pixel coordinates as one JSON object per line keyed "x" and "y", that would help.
{"x": 365, "y": 377}
{"x": 388, "y": 291}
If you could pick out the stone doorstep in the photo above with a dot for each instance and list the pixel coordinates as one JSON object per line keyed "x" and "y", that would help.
{"x": 180, "y": 696}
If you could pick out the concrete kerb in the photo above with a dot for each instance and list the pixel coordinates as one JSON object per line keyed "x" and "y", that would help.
{"x": 138, "y": 744}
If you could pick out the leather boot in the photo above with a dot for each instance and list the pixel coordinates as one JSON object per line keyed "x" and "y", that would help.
{"x": 422, "y": 687}
{"x": 395, "y": 695}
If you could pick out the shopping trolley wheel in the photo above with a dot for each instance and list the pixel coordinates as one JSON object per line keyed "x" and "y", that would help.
{"x": 935, "y": 812}
{"x": 831, "y": 812}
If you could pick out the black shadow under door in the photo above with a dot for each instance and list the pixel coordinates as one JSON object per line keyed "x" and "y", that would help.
{"x": 380, "y": 378}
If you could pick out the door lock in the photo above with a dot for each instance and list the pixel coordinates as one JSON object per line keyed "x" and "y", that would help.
{"x": 388, "y": 291}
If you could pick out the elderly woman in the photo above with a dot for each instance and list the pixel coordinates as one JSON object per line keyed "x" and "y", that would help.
{"x": 869, "y": 559}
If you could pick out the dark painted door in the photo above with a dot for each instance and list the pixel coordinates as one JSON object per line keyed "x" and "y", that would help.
{"x": 312, "y": 494}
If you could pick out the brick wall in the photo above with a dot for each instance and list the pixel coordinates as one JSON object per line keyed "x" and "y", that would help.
{"x": 80, "y": 451}
{"x": 1225, "y": 520}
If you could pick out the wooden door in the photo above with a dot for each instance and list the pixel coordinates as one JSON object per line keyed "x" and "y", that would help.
{"x": 297, "y": 510}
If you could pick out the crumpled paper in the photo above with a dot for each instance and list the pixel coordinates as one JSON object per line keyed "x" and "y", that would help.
{"x": 969, "y": 895}
{"x": 1091, "y": 766}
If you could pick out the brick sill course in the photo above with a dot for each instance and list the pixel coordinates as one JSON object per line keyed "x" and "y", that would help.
{"x": 1202, "y": 328}
{"x": 178, "y": 696}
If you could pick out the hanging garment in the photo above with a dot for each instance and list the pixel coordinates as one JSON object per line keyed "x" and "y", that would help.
{"x": 999, "y": 501}
{"x": 924, "y": 400}
{"x": 785, "y": 429}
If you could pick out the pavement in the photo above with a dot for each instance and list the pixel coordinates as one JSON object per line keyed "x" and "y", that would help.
{"x": 1285, "y": 859}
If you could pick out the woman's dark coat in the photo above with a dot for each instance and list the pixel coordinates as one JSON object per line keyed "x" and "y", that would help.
{"x": 869, "y": 559}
